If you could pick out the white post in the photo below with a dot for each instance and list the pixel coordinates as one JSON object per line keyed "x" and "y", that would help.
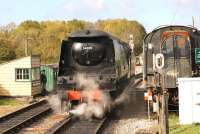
{"x": 149, "y": 117}
{"x": 131, "y": 43}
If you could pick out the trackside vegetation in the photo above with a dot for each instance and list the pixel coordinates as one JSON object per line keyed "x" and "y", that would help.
{"x": 44, "y": 38}
{"x": 176, "y": 128}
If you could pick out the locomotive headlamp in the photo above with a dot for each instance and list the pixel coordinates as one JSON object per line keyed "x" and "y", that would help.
{"x": 77, "y": 46}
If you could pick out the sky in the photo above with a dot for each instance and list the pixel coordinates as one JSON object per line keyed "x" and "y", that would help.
{"x": 150, "y": 13}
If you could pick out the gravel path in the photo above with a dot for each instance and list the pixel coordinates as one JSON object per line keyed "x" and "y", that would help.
{"x": 131, "y": 117}
{"x": 132, "y": 126}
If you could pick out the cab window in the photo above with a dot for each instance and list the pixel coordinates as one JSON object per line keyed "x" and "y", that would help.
{"x": 182, "y": 46}
{"x": 168, "y": 47}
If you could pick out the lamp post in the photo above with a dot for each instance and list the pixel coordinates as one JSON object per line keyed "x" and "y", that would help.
{"x": 26, "y": 45}
{"x": 131, "y": 43}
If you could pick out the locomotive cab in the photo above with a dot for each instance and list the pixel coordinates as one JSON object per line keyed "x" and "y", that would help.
{"x": 176, "y": 47}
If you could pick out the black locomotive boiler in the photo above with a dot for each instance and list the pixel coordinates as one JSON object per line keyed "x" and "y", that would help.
{"x": 97, "y": 55}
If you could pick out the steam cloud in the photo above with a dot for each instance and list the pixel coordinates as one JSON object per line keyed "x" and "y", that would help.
{"x": 55, "y": 102}
{"x": 90, "y": 107}
{"x": 94, "y": 108}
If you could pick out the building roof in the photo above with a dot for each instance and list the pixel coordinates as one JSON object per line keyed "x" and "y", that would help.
{"x": 18, "y": 59}
{"x": 52, "y": 65}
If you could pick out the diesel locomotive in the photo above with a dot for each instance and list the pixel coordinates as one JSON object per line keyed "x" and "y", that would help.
{"x": 169, "y": 54}
{"x": 97, "y": 55}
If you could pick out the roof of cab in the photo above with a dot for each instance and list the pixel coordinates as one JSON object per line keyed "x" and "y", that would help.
{"x": 161, "y": 29}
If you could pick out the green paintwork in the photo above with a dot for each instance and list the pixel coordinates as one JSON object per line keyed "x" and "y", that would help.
{"x": 51, "y": 76}
{"x": 197, "y": 55}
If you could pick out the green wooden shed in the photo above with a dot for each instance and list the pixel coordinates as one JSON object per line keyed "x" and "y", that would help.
{"x": 50, "y": 71}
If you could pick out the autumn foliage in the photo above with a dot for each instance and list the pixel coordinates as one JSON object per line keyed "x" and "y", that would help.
{"x": 44, "y": 38}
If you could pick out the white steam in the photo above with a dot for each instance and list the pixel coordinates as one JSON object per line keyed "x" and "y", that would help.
{"x": 86, "y": 83}
{"x": 55, "y": 102}
{"x": 122, "y": 98}
{"x": 96, "y": 102}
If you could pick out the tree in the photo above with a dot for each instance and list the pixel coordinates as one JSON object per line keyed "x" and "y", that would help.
{"x": 44, "y": 38}
{"x": 6, "y": 52}
{"x": 122, "y": 28}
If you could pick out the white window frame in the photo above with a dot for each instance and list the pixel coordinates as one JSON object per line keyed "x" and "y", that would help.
{"x": 21, "y": 75}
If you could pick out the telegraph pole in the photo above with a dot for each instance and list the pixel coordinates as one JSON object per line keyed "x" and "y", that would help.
{"x": 162, "y": 96}
{"x": 26, "y": 43}
{"x": 26, "y": 47}
{"x": 164, "y": 109}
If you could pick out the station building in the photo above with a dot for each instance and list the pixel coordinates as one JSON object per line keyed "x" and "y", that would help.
{"x": 20, "y": 77}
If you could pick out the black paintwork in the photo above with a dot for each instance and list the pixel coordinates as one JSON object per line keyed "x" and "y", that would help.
{"x": 97, "y": 55}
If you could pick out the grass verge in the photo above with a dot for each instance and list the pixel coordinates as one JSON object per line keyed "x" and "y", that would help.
{"x": 10, "y": 102}
{"x": 176, "y": 128}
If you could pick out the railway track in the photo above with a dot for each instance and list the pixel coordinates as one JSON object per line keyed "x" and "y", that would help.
{"x": 86, "y": 126}
{"x": 56, "y": 129}
{"x": 73, "y": 125}
{"x": 13, "y": 122}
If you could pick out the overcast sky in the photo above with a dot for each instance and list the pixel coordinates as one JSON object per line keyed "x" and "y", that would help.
{"x": 150, "y": 13}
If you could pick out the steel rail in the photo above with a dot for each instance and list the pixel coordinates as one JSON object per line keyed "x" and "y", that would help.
{"x": 12, "y": 122}
{"x": 57, "y": 128}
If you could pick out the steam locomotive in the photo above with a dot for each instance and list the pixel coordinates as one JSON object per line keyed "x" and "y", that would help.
{"x": 98, "y": 55}
{"x": 169, "y": 54}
